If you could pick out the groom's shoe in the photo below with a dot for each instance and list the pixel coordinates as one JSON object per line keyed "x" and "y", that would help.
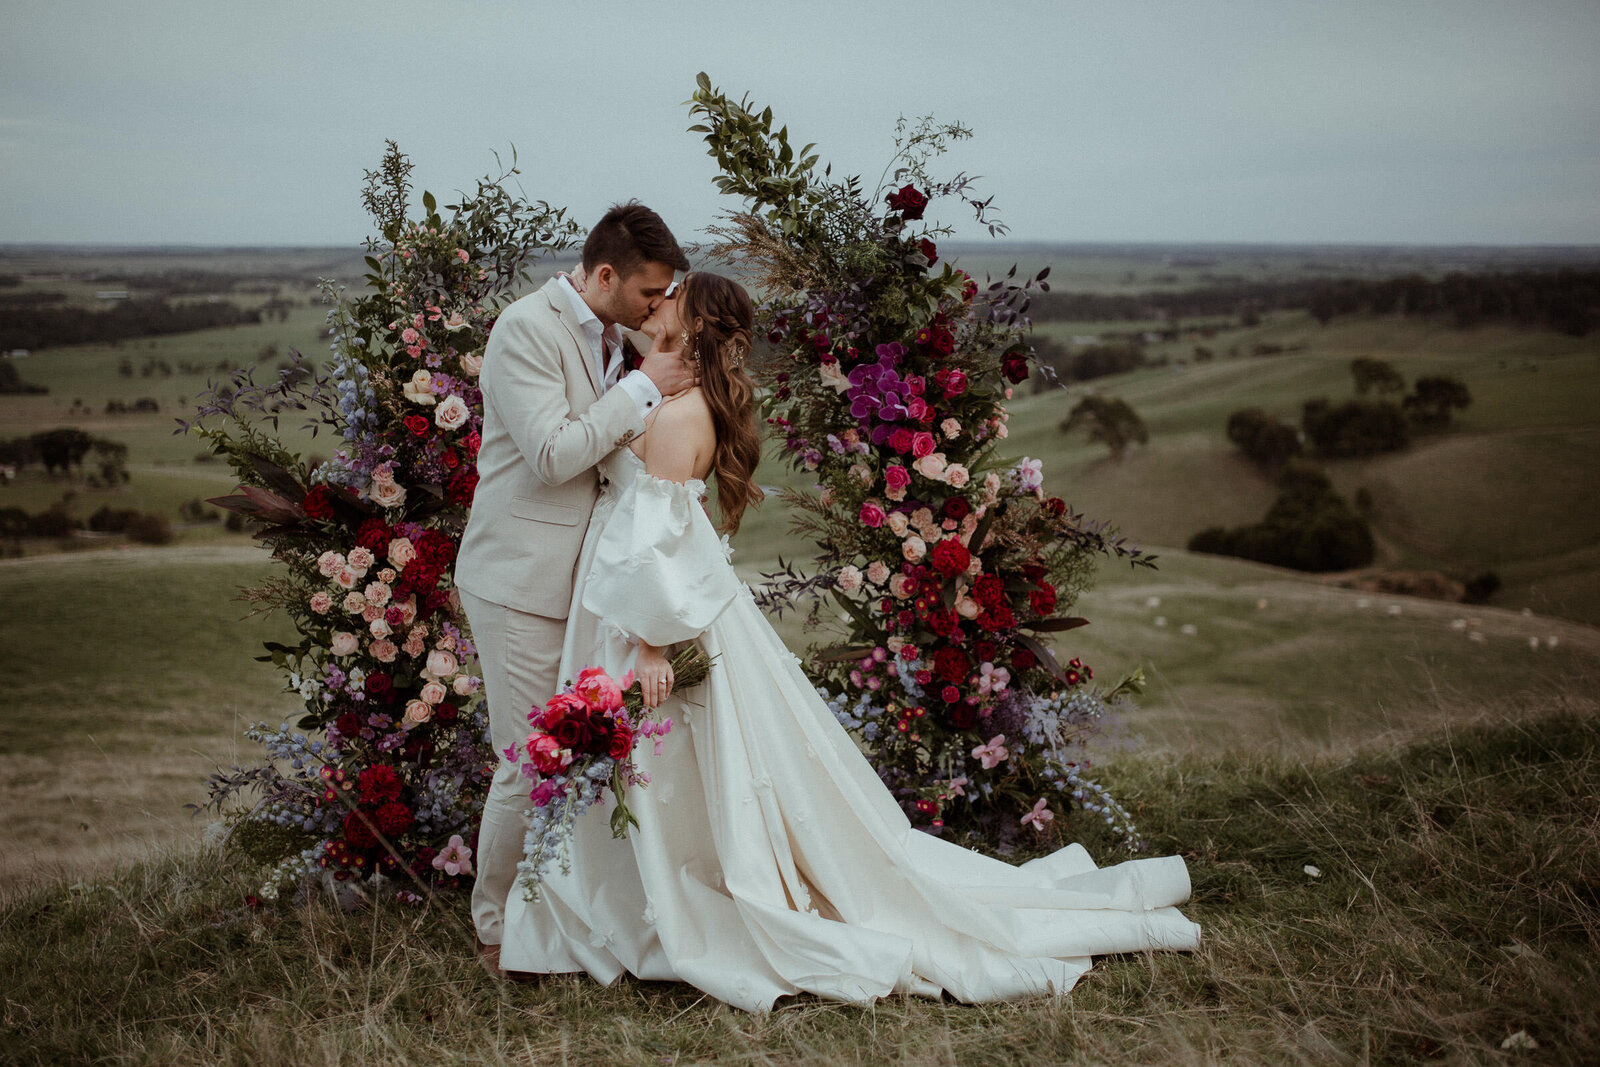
{"x": 489, "y": 958}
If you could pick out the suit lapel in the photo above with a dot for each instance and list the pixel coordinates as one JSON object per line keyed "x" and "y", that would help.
{"x": 558, "y": 301}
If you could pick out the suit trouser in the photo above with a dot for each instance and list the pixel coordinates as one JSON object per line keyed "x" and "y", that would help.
{"x": 519, "y": 655}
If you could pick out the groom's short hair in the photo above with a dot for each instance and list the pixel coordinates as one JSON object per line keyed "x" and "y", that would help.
{"x": 629, "y": 236}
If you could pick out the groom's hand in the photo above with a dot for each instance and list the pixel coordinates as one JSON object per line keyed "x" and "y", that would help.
{"x": 667, "y": 369}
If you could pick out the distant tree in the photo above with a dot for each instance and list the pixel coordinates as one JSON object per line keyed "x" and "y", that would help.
{"x": 1354, "y": 428}
{"x": 112, "y": 457}
{"x": 11, "y": 381}
{"x": 64, "y": 448}
{"x": 1110, "y": 421}
{"x": 1376, "y": 374}
{"x": 1434, "y": 399}
{"x": 1266, "y": 441}
{"x": 1309, "y": 527}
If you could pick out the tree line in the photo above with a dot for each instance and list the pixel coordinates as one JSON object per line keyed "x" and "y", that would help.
{"x": 36, "y": 327}
{"x": 1567, "y": 300}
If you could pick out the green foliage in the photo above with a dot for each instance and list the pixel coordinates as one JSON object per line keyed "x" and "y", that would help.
{"x": 1266, "y": 441}
{"x": 1354, "y": 428}
{"x": 1111, "y": 422}
{"x": 1309, "y": 527}
{"x": 1434, "y": 399}
{"x": 1370, "y": 374}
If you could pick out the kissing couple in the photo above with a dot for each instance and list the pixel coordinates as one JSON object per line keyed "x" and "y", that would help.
{"x": 769, "y": 860}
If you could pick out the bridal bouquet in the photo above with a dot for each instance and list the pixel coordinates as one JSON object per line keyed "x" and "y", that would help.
{"x": 581, "y": 750}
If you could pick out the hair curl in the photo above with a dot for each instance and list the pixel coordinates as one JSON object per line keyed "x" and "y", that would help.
{"x": 718, "y": 317}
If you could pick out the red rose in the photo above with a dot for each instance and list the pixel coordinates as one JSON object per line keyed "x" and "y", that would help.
{"x": 908, "y": 201}
{"x": 571, "y": 732}
{"x": 378, "y": 685}
{"x": 463, "y": 487}
{"x": 950, "y": 557}
{"x": 1055, "y": 507}
{"x": 963, "y": 716}
{"x": 378, "y": 784}
{"x": 900, "y": 440}
{"x": 451, "y": 460}
{"x": 872, "y": 515}
{"x": 999, "y": 618}
{"x": 348, "y": 725}
{"x": 394, "y": 819}
{"x": 957, "y": 508}
{"x": 621, "y": 742}
{"x": 445, "y": 714}
{"x": 944, "y": 622}
{"x": 374, "y": 535}
{"x": 1043, "y": 599}
{"x": 1023, "y": 660}
{"x": 357, "y": 834}
{"x": 944, "y": 341}
{"x": 989, "y": 591}
{"x": 929, "y": 249}
{"x": 318, "y": 503}
{"x": 951, "y": 665}
{"x": 417, "y": 425}
{"x": 1015, "y": 368}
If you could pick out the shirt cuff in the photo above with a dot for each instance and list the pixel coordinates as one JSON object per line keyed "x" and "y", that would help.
{"x": 646, "y": 397}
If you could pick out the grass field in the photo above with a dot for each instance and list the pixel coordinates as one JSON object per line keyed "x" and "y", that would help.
{"x": 1438, "y": 764}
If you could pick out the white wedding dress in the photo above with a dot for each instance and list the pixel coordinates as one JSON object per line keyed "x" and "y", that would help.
{"x": 769, "y": 859}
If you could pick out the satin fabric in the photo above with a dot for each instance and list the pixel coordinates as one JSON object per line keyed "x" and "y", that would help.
{"x": 769, "y": 859}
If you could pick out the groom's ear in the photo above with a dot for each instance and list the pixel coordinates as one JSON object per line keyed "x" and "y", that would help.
{"x": 603, "y": 277}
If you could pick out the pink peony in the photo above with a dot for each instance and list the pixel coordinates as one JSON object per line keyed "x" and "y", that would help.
{"x": 598, "y": 690}
{"x": 547, "y": 754}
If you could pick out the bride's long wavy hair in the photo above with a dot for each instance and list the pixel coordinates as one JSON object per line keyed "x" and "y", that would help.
{"x": 718, "y": 318}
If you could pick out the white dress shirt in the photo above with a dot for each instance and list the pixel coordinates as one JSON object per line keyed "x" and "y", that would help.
{"x": 605, "y": 348}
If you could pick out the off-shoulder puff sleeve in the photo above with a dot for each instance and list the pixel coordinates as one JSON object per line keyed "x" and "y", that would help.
{"x": 658, "y": 571}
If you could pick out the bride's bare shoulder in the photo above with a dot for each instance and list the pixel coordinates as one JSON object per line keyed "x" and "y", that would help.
{"x": 686, "y": 412}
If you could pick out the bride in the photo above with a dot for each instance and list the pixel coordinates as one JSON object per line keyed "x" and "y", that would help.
{"x": 769, "y": 860}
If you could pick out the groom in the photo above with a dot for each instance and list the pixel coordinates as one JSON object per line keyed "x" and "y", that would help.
{"x": 556, "y": 400}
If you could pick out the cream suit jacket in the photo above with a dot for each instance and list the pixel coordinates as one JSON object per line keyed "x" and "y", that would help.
{"x": 546, "y": 424}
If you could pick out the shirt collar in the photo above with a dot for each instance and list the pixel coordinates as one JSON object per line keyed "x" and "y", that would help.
{"x": 600, "y": 339}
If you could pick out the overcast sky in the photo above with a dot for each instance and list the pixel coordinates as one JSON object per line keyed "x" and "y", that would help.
{"x": 239, "y": 122}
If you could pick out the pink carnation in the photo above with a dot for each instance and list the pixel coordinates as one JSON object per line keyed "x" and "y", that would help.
{"x": 321, "y": 603}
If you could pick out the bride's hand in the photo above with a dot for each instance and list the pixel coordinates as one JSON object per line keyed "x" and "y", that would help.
{"x": 579, "y": 278}
{"x": 654, "y": 675}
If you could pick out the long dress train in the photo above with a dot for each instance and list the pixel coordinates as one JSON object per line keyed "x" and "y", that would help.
{"x": 769, "y": 859}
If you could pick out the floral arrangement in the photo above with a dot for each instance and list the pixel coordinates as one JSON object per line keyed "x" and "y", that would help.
{"x": 394, "y": 784}
{"x": 950, "y": 563}
{"x": 580, "y": 753}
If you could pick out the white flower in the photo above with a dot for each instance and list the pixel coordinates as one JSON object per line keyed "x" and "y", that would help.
{"x": 834, "y": 378}
{"x": 387, "y": 494}
{"x": 452, "y": 414}
{"x": 419, "y": 390}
